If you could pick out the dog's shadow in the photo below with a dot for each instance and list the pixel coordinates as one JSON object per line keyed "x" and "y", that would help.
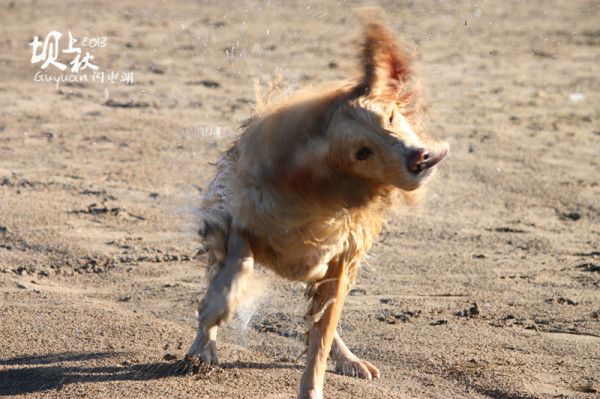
{"x": 28, "y": 374}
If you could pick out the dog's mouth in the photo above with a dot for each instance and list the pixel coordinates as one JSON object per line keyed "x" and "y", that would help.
{"x": 421, "y": 160}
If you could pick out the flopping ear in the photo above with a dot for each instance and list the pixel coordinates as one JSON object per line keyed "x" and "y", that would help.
{"x": 387, "y": 66}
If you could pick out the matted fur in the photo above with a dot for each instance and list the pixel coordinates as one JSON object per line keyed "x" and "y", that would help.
{"x": 304, "y": 190}
{"x": 304, "y": 205}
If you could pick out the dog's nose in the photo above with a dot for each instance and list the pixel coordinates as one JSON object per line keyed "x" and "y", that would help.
{"x": 417, "y": 160}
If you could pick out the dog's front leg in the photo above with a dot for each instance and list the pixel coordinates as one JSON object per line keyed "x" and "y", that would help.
{"x": 324, "y": 312}
{"x": 230, "y": 284}
{"x": 225, "y": 291}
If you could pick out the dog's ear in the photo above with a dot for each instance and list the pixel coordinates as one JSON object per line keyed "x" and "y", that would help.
{"x": 387, "y": 66}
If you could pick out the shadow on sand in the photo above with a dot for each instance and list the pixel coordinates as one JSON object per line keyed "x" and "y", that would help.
{"x": 27, "y": 374}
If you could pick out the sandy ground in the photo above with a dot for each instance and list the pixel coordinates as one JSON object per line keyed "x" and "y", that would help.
{"x": 99, "y": 276}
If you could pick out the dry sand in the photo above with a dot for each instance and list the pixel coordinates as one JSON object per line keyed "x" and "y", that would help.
{"x": 98, "y": 280}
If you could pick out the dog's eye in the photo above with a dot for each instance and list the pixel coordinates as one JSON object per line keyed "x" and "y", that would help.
{"x": 363, "y": 153}
{"x": 392, "y": 116}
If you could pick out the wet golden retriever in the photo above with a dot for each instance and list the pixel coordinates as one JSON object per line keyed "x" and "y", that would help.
{"x": 304, "y": 191}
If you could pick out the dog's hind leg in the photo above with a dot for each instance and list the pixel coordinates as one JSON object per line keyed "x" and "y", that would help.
{"x": 328, "y": 296}
{"x": 347, "y": 363}
{"x": 225, "y": 291}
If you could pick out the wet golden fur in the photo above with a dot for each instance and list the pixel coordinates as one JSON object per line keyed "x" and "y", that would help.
{"x": 305, "y": 189}
{"x": 288, "y": 186}
{"x": 291, "y": 184}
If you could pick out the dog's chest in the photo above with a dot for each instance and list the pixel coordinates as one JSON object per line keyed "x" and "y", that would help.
{"x": 303, "y": 253}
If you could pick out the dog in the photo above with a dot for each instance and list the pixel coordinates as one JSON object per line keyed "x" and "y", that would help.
{"x": 304, "y": 191}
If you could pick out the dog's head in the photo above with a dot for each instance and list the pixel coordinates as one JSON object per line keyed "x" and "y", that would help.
{"x": 375, "y": 134}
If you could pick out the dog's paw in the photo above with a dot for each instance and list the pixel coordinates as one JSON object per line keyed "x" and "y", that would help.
{"x": 354, "y": 367}
{"x": 201, "y": 359}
